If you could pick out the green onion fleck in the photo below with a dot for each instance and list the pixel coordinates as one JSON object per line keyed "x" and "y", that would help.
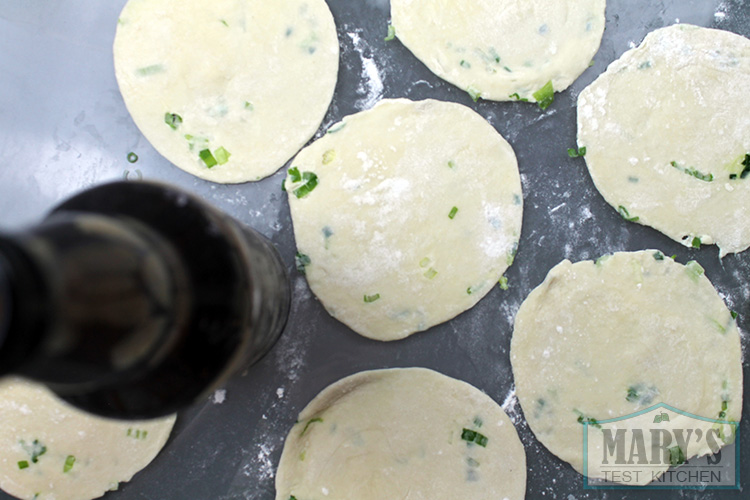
{"x": 451, "y": 164}
{"x": 336, "y": 128}
{"x": 696, "y": 243}
{"x": 309, "y": 423}
{"x": 576, "y": 153}
{"x": 207, "y": 158}
{"x": 465, "y": 64}
{"x": 691, "y": 171}
{"x": 504, "y": 283}
{"x": 69, "y": 461}
{"x": 545, "y": 96}
{"x": 371, "y": 298}
{"x": 249, "y": 106}
{"x": 633, "y": 395}
{"x": 626, "y": 215}
{"x": 150, "y": 70}
{"x": 474, "y": 93}
{"x": 734, "y": 314}
{"x": 424, "y": 262}
{"x": 478, "y": 421}
{"x": 453, "y": 213}
{"x": 430, "y": 273}
{"x": 391, "y": 33}
{"x": 694, "y": 270}
{"x": 471, "y": 462}
{"x": 294, "y": 174}
{"x": 471, "y": 436}
{"x": 329, "y": 156}
{"x": 676, "y": 456}
{"x": 517, "y": 97}
{"x": 301, "y": 261}
{"x": 222, "y": 155}
{"x": 582, "y": 419}
{"x": 292, "y": 497}
{"x": 658, "y": 255}
{"x": 132, "y": 157}
{"x": 222, "y": 21}
{"x": 172, "y": 119}
{"x": 23, "y": 464}
{"x": 311, "y": 181}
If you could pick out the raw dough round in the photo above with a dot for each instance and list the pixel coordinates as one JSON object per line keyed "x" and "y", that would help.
{"x": 415, "y": 215}
{"x": 54, "y": 451}
{"x": 249, "y": 78}
{"x": 661, "y": 324}
{"x": 667, "y": 129}
{"x": 494, "y": 49}
{"x": 402, "y": 433}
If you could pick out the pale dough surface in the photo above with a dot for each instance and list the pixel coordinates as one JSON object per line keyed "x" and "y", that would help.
{"x": 499, "y": 48}
{"x": 252, "y": 77}
{"x": 592, "y": 331}
{"x": 415, "y": 217}
{"x": 392, "y": 434}
{"x": 664, "y": 129}
{"x": 106, "y": 452}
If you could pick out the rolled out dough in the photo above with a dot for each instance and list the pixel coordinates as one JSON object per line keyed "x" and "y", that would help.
{"x": 402, "y": 433}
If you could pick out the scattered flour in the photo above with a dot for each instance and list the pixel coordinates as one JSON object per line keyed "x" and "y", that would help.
{"x": 371, "y": 87}
{"x": 219, "y": 396}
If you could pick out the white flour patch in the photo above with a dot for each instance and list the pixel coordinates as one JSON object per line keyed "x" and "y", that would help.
{"x": 371, "y": 87}
{"x": 219, "y": 396}
{"x": 510, "y": 406}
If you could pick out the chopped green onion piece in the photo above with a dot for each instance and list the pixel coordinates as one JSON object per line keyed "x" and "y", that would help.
{"x": 503, "y": 283}
{"x": 430, "y": 273}
{"x": 249, "y": 106}
{"x": 633, "y": 395}
{"x": 588, "y": 420}
{"x": 576, "y": 153}
{"x": 292, "y": 497}
{"x": 35, "y": 450}
{"x": 746, "y": 168}
{"x": 695, "y": 173}
{"x": 207, "y": 158}
{"x": 658, "y": 255}
{"x": 371, "y": 298}
{"x": 451, "y": 164}
{"x": 311, "y": 181}
{"x": 724, "y": 406}
{"x": 471, "y": 436}
{"x": 453, "y": 213}
{"x": 474, "y": 93}
{"x": 309, "y": 423}
{"x": 694, "y": 270}
{"x": 23, "y": 464}
{"x": 222, "y": 155}
{"x": 465, "y": 64}
{"x": 336, "y": 128}
{"x": 734, "y": 314}
{"x": 294, "y": 174}
{"x": 471, "y": 462}
{"x": 222, "y": 21}
{"x": 424, "y": 262}
{"x": 676, "y": 456}
{"x": 69, "y": 461}
{"x": 172, "y": 119}
{"x": 132, "y": 157}
{"x": 329, "y": 156}
{"x": 391, "y": 33}
{"x": 626, "y": 215}
{"x": 301, "y": 261}
{"x": 511, "y": 257}
{"x": 517, "y": 97}
{"x": 150, "y": 70}
{"x": 478, "y": 421}
{"x": 545, "y": 96}
{"x": 696, "y": 243}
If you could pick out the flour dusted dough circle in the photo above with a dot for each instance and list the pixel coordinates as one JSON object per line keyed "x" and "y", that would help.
{"x": 415, "y": 215}
{"x": 251, "y": 78}
{"x": 667, "y": 130}
{"x": 36, "y": 425}
{"x": 402, "y": 433}
{"x": 608, "y": 339}
{"x": 498, "y": 48}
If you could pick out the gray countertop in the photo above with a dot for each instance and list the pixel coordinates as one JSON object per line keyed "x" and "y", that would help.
{"x": 64, "y": 127}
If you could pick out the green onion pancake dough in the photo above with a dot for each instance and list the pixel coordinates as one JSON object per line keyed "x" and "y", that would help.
{"x": 227, "y": 90}
{"x": 405, "y": 215}
{"x": 502, "y": 49}
{"x": 54, "y": 451}
{"x": 402, "y": 433}
{"x": 667, "y": 135}
{"x": 597, "y": 341}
